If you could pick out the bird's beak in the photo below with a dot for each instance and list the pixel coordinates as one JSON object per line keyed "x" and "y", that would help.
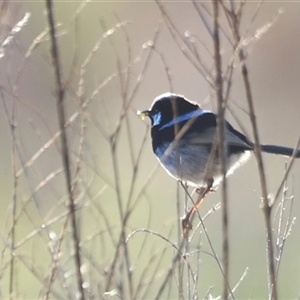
{"x": 143, "y": 114}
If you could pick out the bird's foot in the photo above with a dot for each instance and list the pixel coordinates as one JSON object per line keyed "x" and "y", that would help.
{"x": 186, "y": 224}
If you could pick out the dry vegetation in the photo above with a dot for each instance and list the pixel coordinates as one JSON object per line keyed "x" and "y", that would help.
{"x": 79, "y": 212}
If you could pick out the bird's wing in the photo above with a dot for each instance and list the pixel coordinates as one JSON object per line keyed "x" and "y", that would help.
{"x": 201, "y": 129}
{"x": 208, "y": 136}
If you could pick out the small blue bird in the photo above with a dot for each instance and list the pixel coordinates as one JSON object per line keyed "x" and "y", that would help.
{"x": 184, "y": 142}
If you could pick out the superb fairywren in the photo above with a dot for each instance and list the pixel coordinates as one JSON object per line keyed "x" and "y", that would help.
{"x": 184, "y": 141}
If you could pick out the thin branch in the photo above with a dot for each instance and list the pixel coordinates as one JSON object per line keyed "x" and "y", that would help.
{"x": 266, "y": 207}
{"x": 221, "y": 146}
{"x": 64, "y": 144}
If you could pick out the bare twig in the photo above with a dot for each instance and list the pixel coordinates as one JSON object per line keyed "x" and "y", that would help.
{"x": 64, "y": 143}
{"x": 221, "y": 147}
{"x": 113, "y": 140}
{"x": 283, "y": 228}
{"x": 265, "y": 201}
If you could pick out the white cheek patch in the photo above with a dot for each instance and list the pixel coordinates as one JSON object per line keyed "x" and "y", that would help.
{"x": 156, "y": 118}
{"x": 185, "y": 117}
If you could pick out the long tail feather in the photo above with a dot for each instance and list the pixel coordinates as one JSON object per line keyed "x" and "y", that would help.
{"x": 285, "y": 151}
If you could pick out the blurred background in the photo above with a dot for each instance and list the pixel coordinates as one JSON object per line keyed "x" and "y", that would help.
{"x": 119, "y": 54}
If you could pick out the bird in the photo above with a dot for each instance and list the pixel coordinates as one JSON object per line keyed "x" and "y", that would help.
{"x": 184, "y": 140}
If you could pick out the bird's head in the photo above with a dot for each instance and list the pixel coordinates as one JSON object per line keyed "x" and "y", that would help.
{"x": 168, "y": 107}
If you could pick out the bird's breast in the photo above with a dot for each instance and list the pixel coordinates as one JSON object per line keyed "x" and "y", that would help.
{"x": 194, "y": 164}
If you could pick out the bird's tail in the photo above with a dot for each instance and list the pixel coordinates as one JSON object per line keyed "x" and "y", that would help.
{"x": 285, "y": 151}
